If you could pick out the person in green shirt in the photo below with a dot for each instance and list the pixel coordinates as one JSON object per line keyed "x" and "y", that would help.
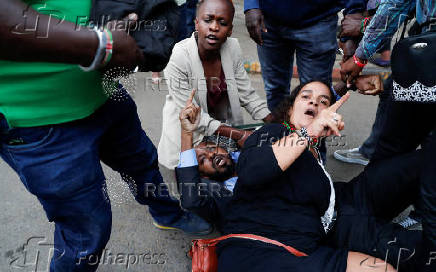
{"x": 57, "y": 124}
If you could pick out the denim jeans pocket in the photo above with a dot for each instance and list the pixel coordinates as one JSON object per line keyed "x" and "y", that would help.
{"x": 27, "y": 138}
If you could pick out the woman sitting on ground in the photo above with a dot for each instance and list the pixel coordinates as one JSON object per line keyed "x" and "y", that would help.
{"x": 284, "y": 193}
{"x": 211, "y": 63}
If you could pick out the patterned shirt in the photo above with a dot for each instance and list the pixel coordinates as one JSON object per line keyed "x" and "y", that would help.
{"x": 388, "y": 18}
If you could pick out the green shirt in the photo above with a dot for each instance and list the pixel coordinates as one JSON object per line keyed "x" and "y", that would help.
{"x": 38, "y": 93}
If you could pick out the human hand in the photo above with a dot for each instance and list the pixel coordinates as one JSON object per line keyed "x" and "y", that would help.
{"x": 190, "y": 115}
{"x": 328, "y": 122}
{"x": 349, "y": 71}
{"x": 348, "y": 48}
{"x": 369, "y": 84}
{"x": 350, "y": 25}
{"x": 269, "y": 118}
{"x": 340, "y": 88}
{"x": 255, "y": 24}
{"x": 126, "y": 52}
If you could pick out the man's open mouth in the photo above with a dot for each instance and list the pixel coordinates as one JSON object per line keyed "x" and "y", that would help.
{"x": 219, "y": 161}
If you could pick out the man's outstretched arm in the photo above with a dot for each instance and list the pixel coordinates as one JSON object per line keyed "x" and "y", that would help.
{"x": 64, "y": 43}
{"x": 55, "y": 40}
{"x": 383, "y": 25}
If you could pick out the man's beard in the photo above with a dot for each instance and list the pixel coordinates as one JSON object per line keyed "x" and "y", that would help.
{"x": 228, "y": 172}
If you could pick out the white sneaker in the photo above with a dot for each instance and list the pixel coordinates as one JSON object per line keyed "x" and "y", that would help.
{"x": 351, "y": 156}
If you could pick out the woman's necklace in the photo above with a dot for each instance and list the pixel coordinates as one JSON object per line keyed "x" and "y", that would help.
{"x": 329, "y": 216}
{"x": 313, "y": 141}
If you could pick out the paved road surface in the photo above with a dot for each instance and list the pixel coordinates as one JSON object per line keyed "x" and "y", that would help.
{"x": 25, "y": 231}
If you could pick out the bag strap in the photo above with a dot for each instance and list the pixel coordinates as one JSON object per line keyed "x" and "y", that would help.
{"x": 292, "y": 250}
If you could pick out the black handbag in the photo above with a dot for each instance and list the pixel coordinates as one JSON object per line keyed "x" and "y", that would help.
{"x": 413, "y": 64}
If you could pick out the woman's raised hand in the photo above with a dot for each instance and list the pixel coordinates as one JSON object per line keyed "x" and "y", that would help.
{"x": 328, "y": 122}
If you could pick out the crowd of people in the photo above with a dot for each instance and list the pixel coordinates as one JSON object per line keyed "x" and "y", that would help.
{"x": 57, "y": 125}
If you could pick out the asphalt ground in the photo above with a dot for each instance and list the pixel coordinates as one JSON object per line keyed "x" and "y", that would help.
{"x": 135, "y": 245}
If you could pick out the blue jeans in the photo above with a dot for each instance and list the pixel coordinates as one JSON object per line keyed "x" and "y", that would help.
{"x": 191, "y": 9}
{"x": 315, "y": 48}
{"x": 60, "y": 165}
{"x": 186, "y": 19}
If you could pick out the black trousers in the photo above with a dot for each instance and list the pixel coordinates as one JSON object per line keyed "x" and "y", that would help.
{"x": 406, "y": 126}
{"x": 427, "y": 205}
{"x": 365, "y": 206}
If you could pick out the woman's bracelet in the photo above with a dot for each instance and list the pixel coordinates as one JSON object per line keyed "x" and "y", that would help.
{"x": 312, "y": 142}
{"x": 104, "y": 51}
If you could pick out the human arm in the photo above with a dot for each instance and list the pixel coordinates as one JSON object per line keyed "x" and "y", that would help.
{"x": 383, "y": 25}
{"x": 326, "y": 123}
{"x": 350, "y": 33}
{"x": 350, "y": 26}
{"x": 179, "y": 81}
{"x": 238, "y": 135}
{"x": 55, "y": 40}
{"x": 155, "y": 33}
{"x": 257, "y": 164}
{"x": 254, "y": 20}
{"x": 189, "y": 118}
{"x": 192, "y": 196}
{"x": 268, "y": 152}
{"x": 389, "y": 16}
{"x": 62, "y": 44}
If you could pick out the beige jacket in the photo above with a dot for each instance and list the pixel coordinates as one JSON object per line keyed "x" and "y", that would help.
{"x": 183, "y": 73}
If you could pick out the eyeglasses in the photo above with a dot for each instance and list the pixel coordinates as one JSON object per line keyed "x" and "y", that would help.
{"x": 211, "y": 148}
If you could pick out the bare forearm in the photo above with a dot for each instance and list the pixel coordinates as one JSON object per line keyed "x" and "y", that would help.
{"x": 229, "y": 132}
{"x": 186, "y": 141}
{"x": 51, "y": 41}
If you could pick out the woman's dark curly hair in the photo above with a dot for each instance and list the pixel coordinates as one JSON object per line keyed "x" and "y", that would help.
{"x": 281, "y": 112}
